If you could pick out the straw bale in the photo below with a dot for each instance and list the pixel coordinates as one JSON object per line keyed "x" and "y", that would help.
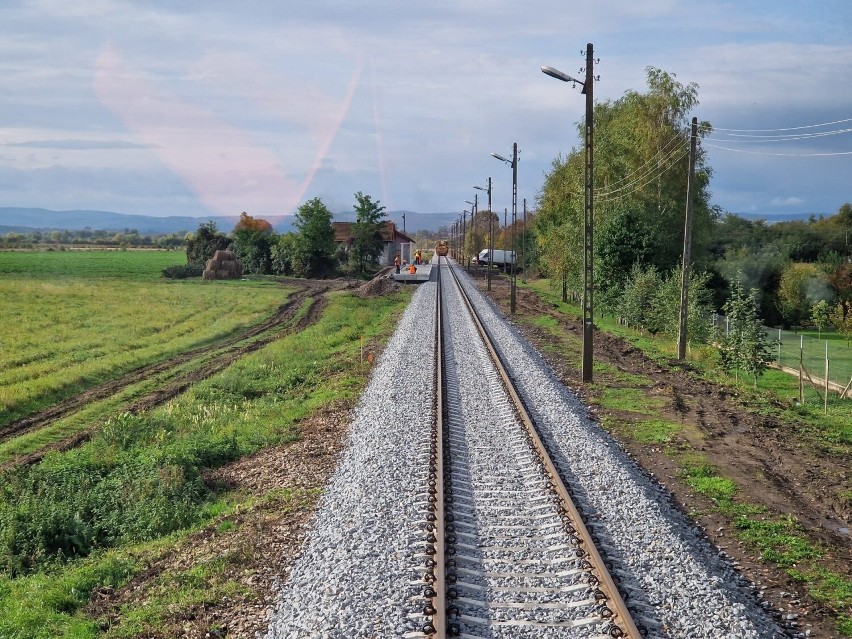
{"x": 213, "y": 265}
{"x": 208, "y": 274}
{"x": 230, "y": 266}
{"x": 222, "y": 274}
{"x": 223, "y": 256}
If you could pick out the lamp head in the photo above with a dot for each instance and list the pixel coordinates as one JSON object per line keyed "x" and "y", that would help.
{"x": 559, "y": 75}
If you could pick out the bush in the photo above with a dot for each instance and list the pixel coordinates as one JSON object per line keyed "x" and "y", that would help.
{"x": 183, "y": 271}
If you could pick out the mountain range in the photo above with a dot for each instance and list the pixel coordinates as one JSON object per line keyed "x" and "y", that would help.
{"x": 22, "y": 220}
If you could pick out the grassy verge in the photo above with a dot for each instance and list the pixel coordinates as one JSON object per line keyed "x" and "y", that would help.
{"x": 82, "y": 519}
{"x": 630, "y": 410}
{"x": 74, "y": 319}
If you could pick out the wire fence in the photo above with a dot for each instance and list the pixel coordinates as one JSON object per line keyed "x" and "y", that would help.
{"x": 794, "y": 352}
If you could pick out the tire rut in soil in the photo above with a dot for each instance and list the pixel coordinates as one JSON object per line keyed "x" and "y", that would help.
{"x": 235, "y": 349}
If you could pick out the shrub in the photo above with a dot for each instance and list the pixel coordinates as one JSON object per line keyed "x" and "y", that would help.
{"x": 183, "y": 271}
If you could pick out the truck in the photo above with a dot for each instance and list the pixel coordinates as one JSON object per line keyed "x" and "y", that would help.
{"x": 496, "y": 257}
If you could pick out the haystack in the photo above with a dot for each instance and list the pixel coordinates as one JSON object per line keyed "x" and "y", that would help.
{"x": 223, "y": 266}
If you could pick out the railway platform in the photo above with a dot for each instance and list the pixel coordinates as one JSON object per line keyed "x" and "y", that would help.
{"x": 423, "y": 274}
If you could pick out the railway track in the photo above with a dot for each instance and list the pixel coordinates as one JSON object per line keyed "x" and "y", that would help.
{"x": 510, "y": 553}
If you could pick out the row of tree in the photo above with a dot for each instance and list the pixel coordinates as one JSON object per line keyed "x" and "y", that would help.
{"x": 309, "y": 251}
{"x": 88, "y": 237}
{"x": 791, "y": 273}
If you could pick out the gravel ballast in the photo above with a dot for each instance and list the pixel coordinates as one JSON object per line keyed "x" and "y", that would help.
{"x": 677, "y": 581}
{"x": 359, "y": 573}
{"x": 354, "y": 575}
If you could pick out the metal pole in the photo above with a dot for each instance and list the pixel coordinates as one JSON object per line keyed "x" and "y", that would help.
{"x": 505, "y": 230}
{"x": 490, "y": 235}
{"x": 524, "y": 245}
{"x": 588, "y": 221}
{"x": 514, "y": 224}
{"x": 687, "y": 245}
{"x": 464, "y": 236}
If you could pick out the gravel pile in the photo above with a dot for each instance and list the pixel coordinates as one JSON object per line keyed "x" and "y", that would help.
{"x": 357, "y": 575}
{"x": 678, "y": 584}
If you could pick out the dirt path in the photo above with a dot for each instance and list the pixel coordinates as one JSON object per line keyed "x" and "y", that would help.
{"x": 769, "y": 460}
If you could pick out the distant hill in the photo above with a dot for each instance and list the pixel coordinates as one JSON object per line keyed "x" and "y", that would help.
{"x": 23, "y": 219}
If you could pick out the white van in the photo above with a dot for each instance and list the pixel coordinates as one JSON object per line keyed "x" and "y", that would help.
{"x": 496, "y": 257}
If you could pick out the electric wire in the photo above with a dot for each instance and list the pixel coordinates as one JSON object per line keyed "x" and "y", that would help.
{"x": 793, "y": 155}
{"x": 654, "y": 174}
{"x": 604, "y": 198}
{"x": 653, "y": 160}
{"x": 792, "y": 128}
{"x": 726, "y": 139}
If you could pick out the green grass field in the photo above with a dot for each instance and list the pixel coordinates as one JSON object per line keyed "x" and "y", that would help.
{"x": 93, "y": 517}
{"x": 73, "y": 319}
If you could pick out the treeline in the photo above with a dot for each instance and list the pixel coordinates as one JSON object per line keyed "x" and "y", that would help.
{"x": 126, "y": 238}
{"x": 309, "y": 251}
{"x": 641, "y": 168}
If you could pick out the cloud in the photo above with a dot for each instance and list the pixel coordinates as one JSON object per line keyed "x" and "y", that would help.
{"x": 787, "y": 201}
{"x": 215, "y": 158}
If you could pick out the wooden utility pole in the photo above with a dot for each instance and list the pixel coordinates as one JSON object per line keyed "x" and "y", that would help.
{"x": 687, "y": 244}
{"x": 588, "y": 220}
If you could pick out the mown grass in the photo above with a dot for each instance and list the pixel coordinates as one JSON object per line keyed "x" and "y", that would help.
{"x": 779, "y": 539}
{"x": 139, "y": 479}
{"x": 74, "y": 319}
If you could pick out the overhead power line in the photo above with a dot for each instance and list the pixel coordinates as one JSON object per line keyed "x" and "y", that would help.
{"x": 799, "y": 155}
{"x": 654, "y": 161}
{"x": 792, "y": 128}
{"x": 651, "y": 173}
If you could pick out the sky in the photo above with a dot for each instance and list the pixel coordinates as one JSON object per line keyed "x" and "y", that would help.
{"x": 214, "y": 107}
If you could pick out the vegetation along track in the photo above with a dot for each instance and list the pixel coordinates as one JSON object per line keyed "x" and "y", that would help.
{"x": 211, "y": 358}
{"x": 516, "y": 556}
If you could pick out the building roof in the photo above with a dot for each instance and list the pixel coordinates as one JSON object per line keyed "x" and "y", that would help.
{"x": 387, "y": 231}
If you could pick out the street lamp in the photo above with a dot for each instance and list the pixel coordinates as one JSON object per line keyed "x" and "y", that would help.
{"x": 474, "y": 209}
{"x": 490, "y": 232}
{"x": 514, "y": 164}
{"x": 588, "y": 216}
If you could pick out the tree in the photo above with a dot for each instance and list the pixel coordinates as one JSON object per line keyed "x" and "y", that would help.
{"x": 799, "y": 284}
{"x": 747, "y": 346}
{"x": 253, "y": 244}
{"x": 642, "y": 287}
{"x": 367, "y": 243}
{"x": 821, "y": 316}
{"x": 840, "y": 281}
{"x": 314, "y": 247}
{"x": 841, "y": 320}
{"x": 283, "y": 252}
{"x": 253, "y": 224}
{"x": 201, "y": 246}
{"x": 641, "y": 167}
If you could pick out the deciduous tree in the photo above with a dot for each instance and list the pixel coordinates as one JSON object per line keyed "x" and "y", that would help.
{"x": 314, "y": 247}
{"x": 367, "y": 243}
{"x": 746, "y": 346}
{"x": 201, "y": 246}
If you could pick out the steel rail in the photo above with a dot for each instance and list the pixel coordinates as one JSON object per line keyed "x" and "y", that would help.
{"x": 621, "y": 617}
{"x": 436, "y": 481}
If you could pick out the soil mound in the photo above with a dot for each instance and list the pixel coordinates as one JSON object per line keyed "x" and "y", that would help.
{"x": 377, "y": 286}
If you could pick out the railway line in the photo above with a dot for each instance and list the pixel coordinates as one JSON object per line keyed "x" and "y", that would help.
{"x": 517, "y": 557}
{"x": 476, "y": 499}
